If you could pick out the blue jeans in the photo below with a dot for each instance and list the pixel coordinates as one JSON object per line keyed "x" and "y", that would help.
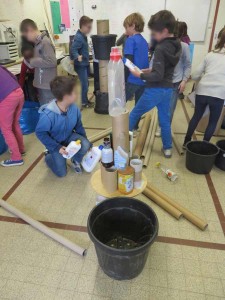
{"x": 134, "y": 90}
{"x": 215, "y": 108}
{"x": 173, "y": 101}
{"x": 57, "y": 163}
{"x": 82, "y": 72}
{"x": 160, "y": 98}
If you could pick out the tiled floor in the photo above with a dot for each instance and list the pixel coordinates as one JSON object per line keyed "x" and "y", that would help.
{"x": 184, "y": 263}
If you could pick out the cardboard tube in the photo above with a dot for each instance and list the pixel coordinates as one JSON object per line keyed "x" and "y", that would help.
{"x": 187, "y": 213}
{"x": 103, "y": 75}
{"x": 109, "y": 179}
{"x": 150, "y": 146}
{"x": 162, "y": 203}
{"x": 100, "y": 135}
{"x": 42, "y": 228}
{"x": 178, "y": 148}
{"x": 136, "y": 164}
{"x": 102, "y": 27}
{"x": 120, "y": 129}
{"x": 148, "y": 135}
{"x": 142, "y": 135}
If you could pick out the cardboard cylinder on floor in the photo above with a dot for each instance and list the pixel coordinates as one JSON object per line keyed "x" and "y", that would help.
{"x": 109, "y": 179}
{"x": 42, "y": 228}
{"x": 142, "y": 135}
{"x": 100, "y": 135}
{"x": 162, "y": 203}
{"x": 187, "y": 213}
{"x": 120, "y": 129}
{"x": 178, "y": 148}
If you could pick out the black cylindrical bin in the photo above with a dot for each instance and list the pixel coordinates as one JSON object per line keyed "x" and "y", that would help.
{"x": 200, "y": 156}
{"x": 220, "y": 159}
{"x": 122, "y": 230}
{"x": 101, "y": 103}
{"x": 102, "y": 45}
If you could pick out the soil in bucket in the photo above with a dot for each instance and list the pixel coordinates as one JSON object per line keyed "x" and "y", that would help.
{"x": 200, "y": 156}
{"x": 122, "y": 230}
{"x": 220, "y": 159}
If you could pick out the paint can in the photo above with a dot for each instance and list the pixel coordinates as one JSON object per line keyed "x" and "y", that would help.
{"x": 126, "y": 180}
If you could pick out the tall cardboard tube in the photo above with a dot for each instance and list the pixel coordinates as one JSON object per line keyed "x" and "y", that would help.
{"x": 100, "y": 135}
{"x": 142, "y": 135}
{"x": 102, "y": 27}
{"x": 178, "y": 148}
{"x": 109, "y": 179}
{"x": 162, "y": 203}
{"x": 150, "y": 146}
{"x": 187, "y": 213}
{"x": 120, "y": 129}
{"x": 103, "y": 75}
{"x": 148, "y": 138}
{"x": 42, "y": 228}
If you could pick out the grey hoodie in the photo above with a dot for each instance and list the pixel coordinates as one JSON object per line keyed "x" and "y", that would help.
{"x": 44, "y": 62}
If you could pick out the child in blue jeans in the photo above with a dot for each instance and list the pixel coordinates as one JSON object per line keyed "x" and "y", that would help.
{"x": 159, "y": 85}
{"x": 59, "y": 124}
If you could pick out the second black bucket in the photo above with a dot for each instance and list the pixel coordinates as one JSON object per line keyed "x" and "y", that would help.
{"x": 102, "y": 45}
{"x": 200, "y": 156}
{"x": 122, "y": 230}
{"x": 220, "y": 159}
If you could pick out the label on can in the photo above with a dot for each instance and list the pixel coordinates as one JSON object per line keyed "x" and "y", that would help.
{"x": 125, "y": 183}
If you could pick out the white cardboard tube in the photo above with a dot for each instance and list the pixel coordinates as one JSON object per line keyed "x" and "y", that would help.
{"x": 42, "y": 228}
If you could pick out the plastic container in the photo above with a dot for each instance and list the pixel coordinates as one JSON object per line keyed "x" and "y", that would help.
{"x": 172, "y": 176}
{"x": 3, "y": 146}
{"x": 200, "y": 156}
{"x": 128, "y": 63}
{"x": 220, "y": 159}
{"x": 122, "y": 230}
{"x": 121, "y": 157}
{"x": 91, "y": 159}
{"x": 107, "y": 154}
{"x": 29, "y": 117}
{"x": 72, "y": 149}
{"x": 102, "y": 45}
{"x": 126, "y": 180}
{"x": 116, "y": 83}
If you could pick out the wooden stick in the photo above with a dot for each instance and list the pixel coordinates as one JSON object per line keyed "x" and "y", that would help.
{"x": 177, "y": 146}
{"x": 142, "y": 135}
{"x": 150, "y": 146}
{"x": 187, "y": 213}
{"x": 147, "y": 141}
{"x": 100, "y": 135}
{"x": 162, "y": 203}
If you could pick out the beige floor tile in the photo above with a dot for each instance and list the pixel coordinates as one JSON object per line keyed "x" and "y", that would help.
{"x": 210, "y": 269}
{"x": 194, "y": 284}
{"x": 213, "y": 286}
{"x": 82, "y": 296}
{"x": 85, "y": 284}
{"x": 68, "y": 281}
{"x": 11, "y": 289}
{"x": 103, "y": 287}
{"x": 176, "y": 281}
{"x": 64, "y": 295}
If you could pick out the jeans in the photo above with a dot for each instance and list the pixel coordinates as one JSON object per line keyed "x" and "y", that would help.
{"x": 134, "y": 89}
{"x": 215, "y": 108}
{"x": 82, "y": 72}
{"x": 45, "y": 96}
{"x": 160, "y": 98}
{"x": 10, "y": 110}
{"x": 173, "y": 101}
{"x": 57, "y": 163}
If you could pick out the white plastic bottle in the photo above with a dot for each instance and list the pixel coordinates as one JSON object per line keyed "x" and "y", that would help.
{"x": 107, "y": 154}
{"x": 116, "y": 83}
{"x": 72, "y": 149}
{"x": 91, "y": 159}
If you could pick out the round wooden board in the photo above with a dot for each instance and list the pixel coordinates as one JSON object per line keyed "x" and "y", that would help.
{"x": 100, "y": 190}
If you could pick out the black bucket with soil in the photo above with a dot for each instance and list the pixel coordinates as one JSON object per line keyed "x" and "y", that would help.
{"x": 220, "y": 159}
{"x": 102, "y": 45}
{"x": 200, "y": 156}
{"x": 122, "y": 230}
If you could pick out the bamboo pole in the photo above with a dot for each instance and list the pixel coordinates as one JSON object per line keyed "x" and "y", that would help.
{"x": 162, "y": 203}
{"x": 150, "y": 146}
{"x": 142, "y": 135}
{"x": 100, "y": 135}
{"x": 187, "y": 213}
{"x": 177, "y": 146}
{"x": 42, "y": 228}
{"x": 148, "y": 135}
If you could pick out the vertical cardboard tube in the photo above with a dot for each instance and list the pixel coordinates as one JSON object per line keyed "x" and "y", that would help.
{"x": 102, "y": 27}
{"x": 142, "y": 135}
{"x": 109, "y": 179}
{"x": 150, "y": 146}
{"x": 120, "y": 129}
{"x": 136, "y": 164}
{"x": 148, "y": 138}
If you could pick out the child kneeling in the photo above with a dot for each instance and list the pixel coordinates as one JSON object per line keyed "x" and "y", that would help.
{"x": 59, "y": 124}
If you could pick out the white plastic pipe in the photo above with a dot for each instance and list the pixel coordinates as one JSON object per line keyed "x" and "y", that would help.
{"x": 44, "y": 229}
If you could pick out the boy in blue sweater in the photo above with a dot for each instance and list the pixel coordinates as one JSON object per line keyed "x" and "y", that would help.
{"x": 80, "y": 55}
{"x": 59, "y": 124}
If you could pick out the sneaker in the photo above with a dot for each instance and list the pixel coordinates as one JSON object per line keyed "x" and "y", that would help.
{"x": 158, "y": 132}
{"x": 167, "y": 153}
{"x": 77, "y": 167}
{"x": 46, "y": 152}
{"x": 11, "y": 163}
{"x": 135, "y": 133}
{"x": 88, "y": 105}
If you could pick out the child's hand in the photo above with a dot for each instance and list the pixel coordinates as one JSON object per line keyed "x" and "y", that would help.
{"x": 145, "y": 71}
{"x": 182, "y": 86}
{"x": 80, "y": 58}
{"x": 135, "y": 72}
{"x": 63, "y": 151}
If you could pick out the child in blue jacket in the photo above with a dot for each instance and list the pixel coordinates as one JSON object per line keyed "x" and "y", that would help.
{"x": 59, "y": 124}
{"x": 80, "y": 55}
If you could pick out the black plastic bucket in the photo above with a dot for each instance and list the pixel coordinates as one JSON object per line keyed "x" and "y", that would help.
{"x": 122, "y": 230}
{"x": 200, "y": 156}
{"x": 220, "y": 159}
{"x": 101, "y": 103}
{"x": 102, "y": 45}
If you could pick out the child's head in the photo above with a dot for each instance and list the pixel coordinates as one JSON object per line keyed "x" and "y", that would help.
{"x": 181, "y": 29}
{"x": 221, "y": 40}
{"x": 64, "y": 89}
{"x": 27, "y": 50}
{"x": 29, "y": 30}
{"x": 162, "y": 25}
{"x": 134, "y": 23}
{"x": 85, "y": 24}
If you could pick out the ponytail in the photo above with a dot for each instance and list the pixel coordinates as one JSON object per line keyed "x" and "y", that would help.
{"x": 221, "y": 40}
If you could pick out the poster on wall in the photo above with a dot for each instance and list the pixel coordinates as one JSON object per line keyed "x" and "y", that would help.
{"x": 65, "y": 14}
{"x": 56, "y": 16}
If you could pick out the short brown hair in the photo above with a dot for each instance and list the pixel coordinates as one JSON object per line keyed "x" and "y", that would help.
{"x": 84, "y": 20}
{"x": 62, "y": 86}
{"x": 221, "y": 40}
{"x": 161, "y": 20}
{"x": 135, "y": 19}
{"x": 26, "y": 23}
